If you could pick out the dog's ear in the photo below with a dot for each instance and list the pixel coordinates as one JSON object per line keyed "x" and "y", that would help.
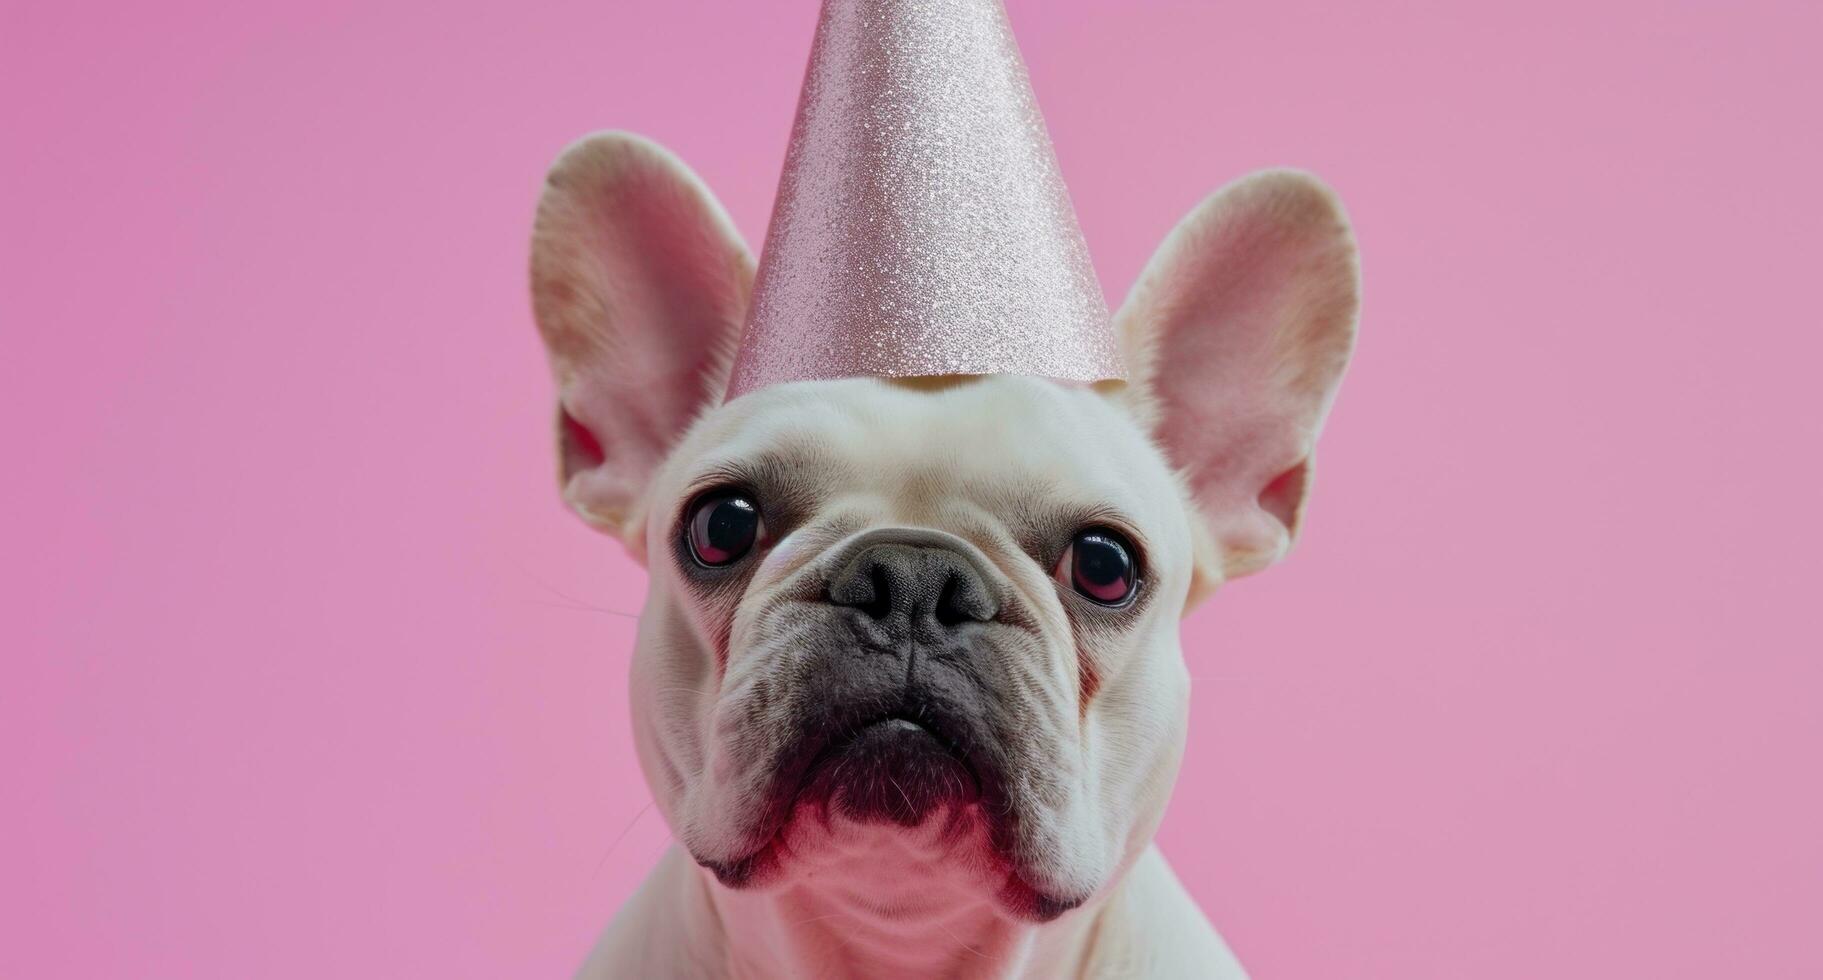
{"x": 639, "y": 286}
{"x": 1237, "y": 334}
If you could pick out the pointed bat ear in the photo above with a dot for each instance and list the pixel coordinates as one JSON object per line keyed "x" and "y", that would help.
{"x": 1238, "y": 333}
{"x": 639, "y": 285}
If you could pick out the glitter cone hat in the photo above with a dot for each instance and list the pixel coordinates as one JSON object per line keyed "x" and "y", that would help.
{"x": 921, "y": 226}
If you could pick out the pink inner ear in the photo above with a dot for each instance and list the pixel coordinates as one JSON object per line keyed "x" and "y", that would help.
{"x": 578, "y": 448}
{"x": 675, "y": 292}
{"x": 1285, "y": 495}
{"x": 1245, "y": 322}
{"x": 639, "y": 283}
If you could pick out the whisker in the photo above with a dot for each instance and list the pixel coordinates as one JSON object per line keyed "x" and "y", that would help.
{"x": 819, "y": 918}
{"x": 589, "y": 609}
{"x": 958, "y": 940}
{"x": 624, "y": 831}
{"x": 580, "y": 605}
{"x": 909, "y": 808}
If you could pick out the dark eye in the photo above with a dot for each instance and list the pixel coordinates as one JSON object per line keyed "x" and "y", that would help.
{"x": 1099, "y": 565}
{"x": 723, "y": 527}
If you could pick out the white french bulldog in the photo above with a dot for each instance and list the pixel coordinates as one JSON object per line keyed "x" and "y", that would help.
{"x": 908, "y": 687}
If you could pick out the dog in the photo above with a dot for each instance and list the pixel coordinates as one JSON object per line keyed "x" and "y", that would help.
{"x": 907, "y": 686}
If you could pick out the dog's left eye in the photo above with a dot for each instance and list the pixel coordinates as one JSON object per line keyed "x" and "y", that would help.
{"x": 1099, "y": 565}
{"x": 723, "y": 527}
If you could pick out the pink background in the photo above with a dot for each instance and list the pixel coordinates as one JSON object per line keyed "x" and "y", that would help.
{"x": 302, "y": 674}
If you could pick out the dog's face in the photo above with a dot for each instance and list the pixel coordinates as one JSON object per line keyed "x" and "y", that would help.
{"x": 942, "y": 612}
{"x": 876, "y": 603}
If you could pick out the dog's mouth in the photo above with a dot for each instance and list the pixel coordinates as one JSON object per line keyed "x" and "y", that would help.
{"x": 902, "y": 768}
{"x": 898, "y": 769}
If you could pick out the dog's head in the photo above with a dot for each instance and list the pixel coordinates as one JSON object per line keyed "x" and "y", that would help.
{"x": 941, "y": 609}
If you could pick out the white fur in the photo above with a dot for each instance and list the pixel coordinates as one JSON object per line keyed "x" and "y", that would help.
{"x": 1210, "y": 485}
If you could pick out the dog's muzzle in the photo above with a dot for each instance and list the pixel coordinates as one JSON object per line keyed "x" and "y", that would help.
{"x": 895, "y": 716}
{"x": 902, "y": 749}
{"x": 901, "y": 660}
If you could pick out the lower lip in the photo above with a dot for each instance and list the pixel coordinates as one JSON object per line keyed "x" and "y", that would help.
{"x": 894, "y": 770}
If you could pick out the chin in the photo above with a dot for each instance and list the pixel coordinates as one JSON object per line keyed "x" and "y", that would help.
{"x": 900, "y": 788}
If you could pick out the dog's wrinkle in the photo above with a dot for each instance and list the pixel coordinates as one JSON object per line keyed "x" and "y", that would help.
{"x": 986, "y": 696}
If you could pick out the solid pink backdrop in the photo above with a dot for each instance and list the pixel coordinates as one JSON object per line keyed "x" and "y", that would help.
{"x": 308, "y": 674}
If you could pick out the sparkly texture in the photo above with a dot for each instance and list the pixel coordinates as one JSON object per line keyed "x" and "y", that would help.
{"x": 921, "y": 226}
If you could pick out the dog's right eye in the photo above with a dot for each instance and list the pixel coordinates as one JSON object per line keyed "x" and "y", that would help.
{"x": 723, "y": 527}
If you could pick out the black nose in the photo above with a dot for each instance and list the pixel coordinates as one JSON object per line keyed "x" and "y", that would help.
{"x": 914, "y": 586}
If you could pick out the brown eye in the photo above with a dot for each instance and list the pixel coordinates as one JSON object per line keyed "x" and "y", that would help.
{"x": 723, "y": 527}
{"x": 1099, "y": 565}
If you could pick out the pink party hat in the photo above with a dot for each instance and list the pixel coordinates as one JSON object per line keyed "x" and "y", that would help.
{"x": 921, "y": 226}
